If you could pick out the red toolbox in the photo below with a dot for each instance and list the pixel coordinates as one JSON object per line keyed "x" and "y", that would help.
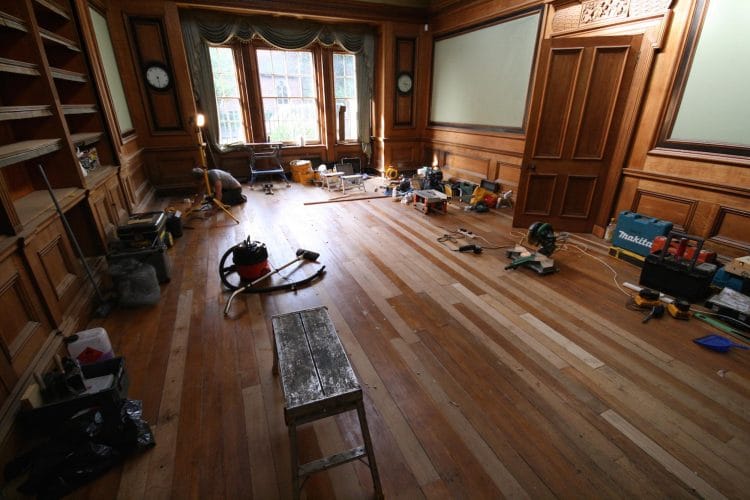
{"x": 676, "y": 275}
{"x": 703, "y": 255}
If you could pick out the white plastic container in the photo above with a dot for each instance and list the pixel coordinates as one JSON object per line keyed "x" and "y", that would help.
{"x": 91, "y": 346}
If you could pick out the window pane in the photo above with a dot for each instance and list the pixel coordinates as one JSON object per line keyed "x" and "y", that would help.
{"x": 345, "y": 92}
{"x": 228, "y": 104}
{"x": 290, "y": 105}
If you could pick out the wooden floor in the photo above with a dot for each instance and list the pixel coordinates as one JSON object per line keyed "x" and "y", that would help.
{"x": 479, "y": 382}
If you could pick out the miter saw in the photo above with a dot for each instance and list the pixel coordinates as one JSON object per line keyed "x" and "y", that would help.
{"x": 540, "y": 233}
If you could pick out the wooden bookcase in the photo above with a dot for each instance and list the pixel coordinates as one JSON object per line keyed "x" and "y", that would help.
{"x": 49, "y": 109}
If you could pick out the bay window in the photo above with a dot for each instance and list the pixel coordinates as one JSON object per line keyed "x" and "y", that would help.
{"x": 289, "y": 95}
{"x": 227, "y": 90}
{"x": 345, "y": 92}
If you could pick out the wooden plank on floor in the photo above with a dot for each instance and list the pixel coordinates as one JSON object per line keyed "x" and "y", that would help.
{"x": 659, "y": 454}
{"x": 495, "y": 469}
{"x": 160, "y": 476}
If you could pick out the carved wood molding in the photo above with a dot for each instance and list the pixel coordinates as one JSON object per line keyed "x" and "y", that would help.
{"x": 680, "y": 181}
{"x": 581, "y": 14}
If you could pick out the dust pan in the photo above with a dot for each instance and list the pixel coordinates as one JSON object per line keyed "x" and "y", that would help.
{"x": 718, "y": 343}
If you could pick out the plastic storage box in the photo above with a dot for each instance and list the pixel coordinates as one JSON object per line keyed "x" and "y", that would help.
{"x": 142, "y": 229}
{"x": 636, "y": 232}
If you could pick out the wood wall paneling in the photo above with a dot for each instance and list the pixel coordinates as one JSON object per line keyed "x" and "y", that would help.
{"x": 470, "y": 168}
{"x": 24, "y": 327}
{"x": 54, "y": 268}
{"x": 678, "y": 210}
{"x": 170, "y": 169}
{"x": 507, "y": 174}
{"x": 150, "y": 45}
{"x": 404, "y": 155}
{"x": 405, "y": 58}
{"x": 731, "y": 227}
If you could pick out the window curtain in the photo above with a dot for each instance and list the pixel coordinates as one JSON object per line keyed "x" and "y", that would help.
{"x": 201, "y": 29}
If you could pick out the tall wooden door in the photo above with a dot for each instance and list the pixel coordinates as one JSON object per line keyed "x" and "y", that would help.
{"x": 578, "y": 100}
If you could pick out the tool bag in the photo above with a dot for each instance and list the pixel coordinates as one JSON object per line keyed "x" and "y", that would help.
{"x": 675, "y": 275}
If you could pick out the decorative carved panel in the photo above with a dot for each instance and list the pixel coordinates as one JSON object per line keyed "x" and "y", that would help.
{"x": 588, "y": 12}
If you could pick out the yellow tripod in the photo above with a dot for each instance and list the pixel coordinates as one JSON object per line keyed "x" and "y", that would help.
{"x": 208, "y": 185}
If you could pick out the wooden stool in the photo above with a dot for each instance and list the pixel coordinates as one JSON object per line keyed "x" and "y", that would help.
{"x": 318, "y": 381}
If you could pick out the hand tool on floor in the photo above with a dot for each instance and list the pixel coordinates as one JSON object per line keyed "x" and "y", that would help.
{"x": 301, "y": 253}
{"x": 718, "y": 343}
{"x": 679, "y": 309}
{"x": 721, "y": 326}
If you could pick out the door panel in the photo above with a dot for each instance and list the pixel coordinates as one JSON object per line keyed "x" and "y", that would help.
{"x": 599, "y": 104}
{"x": 573, "y": 122}
{"x": 556, "y": 103}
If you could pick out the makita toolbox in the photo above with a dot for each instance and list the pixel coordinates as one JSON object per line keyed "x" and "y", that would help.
{"x": 155, "y": 255}
{"x": 636, "y": 232}
{"x": 142, "y": 229}
{"x": 676, "y": 275}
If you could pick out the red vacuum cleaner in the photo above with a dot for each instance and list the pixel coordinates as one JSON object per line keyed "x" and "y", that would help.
{"x": 249, "y": 266}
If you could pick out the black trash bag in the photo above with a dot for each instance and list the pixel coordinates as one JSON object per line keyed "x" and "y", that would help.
{"x": 134, "y": 434}
{"x": 86, "y": 446}
{"x": 73, "y": 456}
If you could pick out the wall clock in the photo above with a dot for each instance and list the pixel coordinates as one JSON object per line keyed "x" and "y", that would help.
{"x": 157, "y": 76}
{"x": 404, "y": 83}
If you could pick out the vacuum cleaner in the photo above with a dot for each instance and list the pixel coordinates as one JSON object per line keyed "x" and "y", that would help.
{"x": 249, "y": 266}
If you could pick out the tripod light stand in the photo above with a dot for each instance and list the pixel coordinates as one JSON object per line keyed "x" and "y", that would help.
{"x": 200, "y": 121}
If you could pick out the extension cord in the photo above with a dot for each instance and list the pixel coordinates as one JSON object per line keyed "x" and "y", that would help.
{"x": 466, "y": 233}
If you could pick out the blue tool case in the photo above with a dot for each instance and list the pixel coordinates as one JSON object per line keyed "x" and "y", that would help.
{"x": 636, "y": 232}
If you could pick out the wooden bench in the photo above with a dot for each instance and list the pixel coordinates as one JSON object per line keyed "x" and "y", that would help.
{"x": 318, "y": 381}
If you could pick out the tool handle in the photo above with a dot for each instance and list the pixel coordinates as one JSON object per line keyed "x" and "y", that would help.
{"x": 684, "y": 240}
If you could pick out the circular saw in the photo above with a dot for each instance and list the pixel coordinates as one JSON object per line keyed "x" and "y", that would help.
{"x": 541, "y": 234}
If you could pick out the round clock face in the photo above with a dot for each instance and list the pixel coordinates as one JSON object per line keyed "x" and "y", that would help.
{"x": 157, "y": 76}
{"x": 404, "y": 83}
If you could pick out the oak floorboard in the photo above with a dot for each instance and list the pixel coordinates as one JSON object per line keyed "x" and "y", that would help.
{"x": 478, "y": 382}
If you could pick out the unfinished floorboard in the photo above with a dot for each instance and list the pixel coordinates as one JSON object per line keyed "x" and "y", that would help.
{"x": 478, "y": 382}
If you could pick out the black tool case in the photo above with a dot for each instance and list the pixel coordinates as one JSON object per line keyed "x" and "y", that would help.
{"x": 156, "y": 255}
{"x": 143, "y": 229}
{"x": 107, "y": 400}
{"x": 673, "y": 275}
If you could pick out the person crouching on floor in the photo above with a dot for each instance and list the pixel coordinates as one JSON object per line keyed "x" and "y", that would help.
{"x": 226, "y": 189}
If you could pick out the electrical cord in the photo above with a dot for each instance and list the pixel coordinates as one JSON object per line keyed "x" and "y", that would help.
{"x": 614, "y": 272}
